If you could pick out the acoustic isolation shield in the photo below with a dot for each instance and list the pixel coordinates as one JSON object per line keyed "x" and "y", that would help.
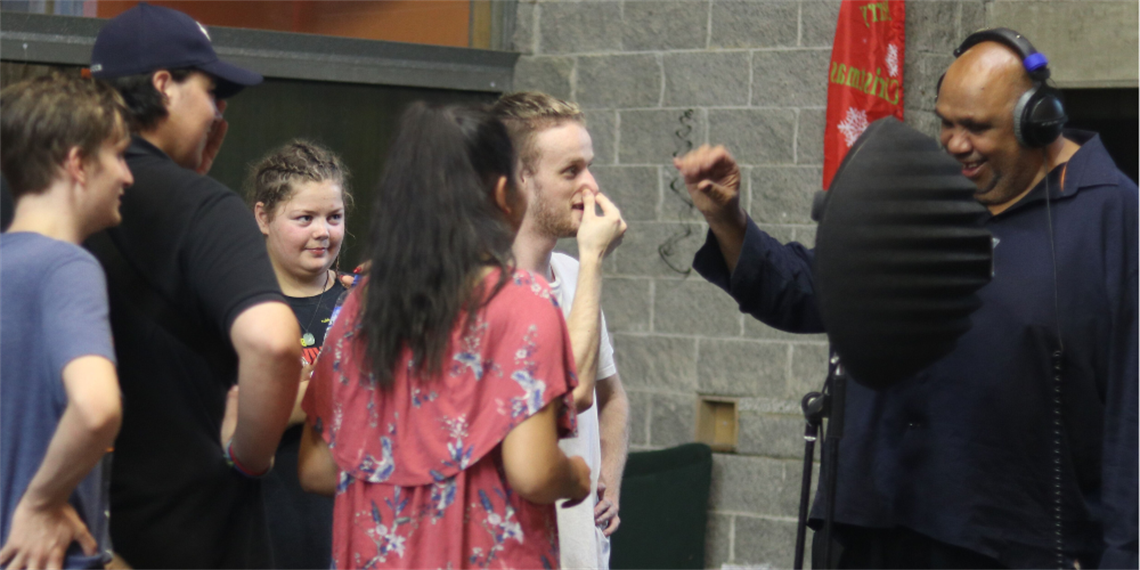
{"x": 901, "y": 252}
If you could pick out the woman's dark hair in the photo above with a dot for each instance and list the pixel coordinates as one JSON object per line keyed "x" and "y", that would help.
{"x": 145, "y": 105}
{"x": 435, "y": 224}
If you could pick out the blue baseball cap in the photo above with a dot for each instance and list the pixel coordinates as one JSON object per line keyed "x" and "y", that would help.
{"x": 148, "y": 38}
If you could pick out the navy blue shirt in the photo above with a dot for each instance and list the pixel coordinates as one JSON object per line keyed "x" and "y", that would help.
{"x": 964, "y": 451}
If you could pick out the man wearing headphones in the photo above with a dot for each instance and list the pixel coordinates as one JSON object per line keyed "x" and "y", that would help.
{"x": 1018, "y": 449}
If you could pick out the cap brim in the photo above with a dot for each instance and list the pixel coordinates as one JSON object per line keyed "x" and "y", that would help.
{"x": 231, "y": 78}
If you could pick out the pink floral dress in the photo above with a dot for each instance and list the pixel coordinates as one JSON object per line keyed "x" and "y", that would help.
{"x": 421, "y": 473}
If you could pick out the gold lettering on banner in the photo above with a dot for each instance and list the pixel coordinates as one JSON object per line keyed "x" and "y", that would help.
{"x": 863, "y": 80}
{"x": 879, "y": 12}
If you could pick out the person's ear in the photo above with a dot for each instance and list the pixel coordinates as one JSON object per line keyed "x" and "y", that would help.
{"x": 262, "y": 216}
{"x": 503, "y": 196}
{"x": 164, "y": 83}
{"x": 75, "y": 165}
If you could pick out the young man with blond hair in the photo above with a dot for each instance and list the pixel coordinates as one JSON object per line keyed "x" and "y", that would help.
{"x": 554, "y": 156}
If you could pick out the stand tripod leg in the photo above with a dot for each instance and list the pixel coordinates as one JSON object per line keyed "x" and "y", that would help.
{"x": 814, "y": 406}
{"x": 817, "y": 406}
{"x": 831, "y": 447}
{"x": 805, "y": 493}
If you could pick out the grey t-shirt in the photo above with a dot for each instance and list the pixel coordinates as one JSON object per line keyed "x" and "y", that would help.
{"x": 53, "y": 309}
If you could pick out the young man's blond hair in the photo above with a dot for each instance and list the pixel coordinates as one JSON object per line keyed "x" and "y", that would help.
{"x": 527, "y": 113}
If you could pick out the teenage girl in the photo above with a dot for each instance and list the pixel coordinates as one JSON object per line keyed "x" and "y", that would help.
{"x": 299, "y": 194}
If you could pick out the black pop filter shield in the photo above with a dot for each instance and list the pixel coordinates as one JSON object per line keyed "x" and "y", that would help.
{"x": 900, "y": 254}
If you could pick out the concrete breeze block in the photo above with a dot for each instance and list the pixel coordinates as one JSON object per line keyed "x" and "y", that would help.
{"x": 718, "y": 540}
{"x": 784, "y": 194}
{"x": 548, "y": 74}
{"x": 675, "y": 200}
{"x": 920, "y": 79}
{"x": 657, "y": 362}
{"x": 640, "y": 250}
{"x": 809, "y": 137}
{"x": 523, "y": 38}
{"x": 753, "y": 24}
{"x": 817, "y": 22}
{"x": 673, "y": 420}
{"x": 625, "y": 302}
{"x": 931, "y": 25}
{"x": 635, "y": 190}
{"x": 706, "y": 79}
{"x": 656, "y": 25}
{"x": 742, "y": 368}
{"x": 926, "y": 122}
{"x": 628, "y": 80}
{"x": 579, "y": 27}
{"x": 809, "y": 369}
{"x": 771, "y": 435}
{"x": 639, "y": 405}
{"x": 602, "y": 125}
{"x": 973, "y": 18}
{"x": 694, "y": 307}
{"x": 755, "y": 485}
{"x": 654, "y": 136}
{"x": 754, "y": 136}
{"x": 767, "y": 542}
{"x": 790, "y": 78}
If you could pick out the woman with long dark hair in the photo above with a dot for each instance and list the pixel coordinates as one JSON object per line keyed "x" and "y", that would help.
{"x": 436, "y": 406}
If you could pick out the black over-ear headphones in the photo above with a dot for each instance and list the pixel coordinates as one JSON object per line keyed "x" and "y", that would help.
{"x": 1039, "y": 114}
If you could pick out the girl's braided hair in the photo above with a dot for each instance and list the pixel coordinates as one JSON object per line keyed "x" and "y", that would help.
{"x": 272, "y": 179}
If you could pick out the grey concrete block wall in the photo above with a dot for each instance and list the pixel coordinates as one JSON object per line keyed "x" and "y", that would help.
{"x": 657, "y": 78}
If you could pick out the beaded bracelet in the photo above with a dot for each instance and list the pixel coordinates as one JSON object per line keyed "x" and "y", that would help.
{"x": 232, "y": 461}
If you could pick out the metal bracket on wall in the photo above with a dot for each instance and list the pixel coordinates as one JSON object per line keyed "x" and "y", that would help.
{"x": 66, "y": 40}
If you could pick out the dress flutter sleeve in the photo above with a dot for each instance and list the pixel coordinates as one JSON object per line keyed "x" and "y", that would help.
{"x": 534, "y": 357}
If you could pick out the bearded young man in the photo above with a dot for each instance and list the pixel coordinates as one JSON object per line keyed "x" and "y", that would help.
{"x": 1019, "y": 448}
{"x": 554, "y": 156}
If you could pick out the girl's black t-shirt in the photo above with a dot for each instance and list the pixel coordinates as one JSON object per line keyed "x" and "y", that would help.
{"x": 313, "y": 314}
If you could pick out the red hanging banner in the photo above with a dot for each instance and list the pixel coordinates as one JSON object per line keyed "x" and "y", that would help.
{"x": 865, "y": 80}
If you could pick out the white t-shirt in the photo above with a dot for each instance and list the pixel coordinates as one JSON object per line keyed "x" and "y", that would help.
{"x": 582, "y": 544}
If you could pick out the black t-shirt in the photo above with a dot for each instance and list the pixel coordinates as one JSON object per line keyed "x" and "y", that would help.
{"x": 300, "y": 523}
{"x": 174, "y": 500}
{"x": 313, "y": 314}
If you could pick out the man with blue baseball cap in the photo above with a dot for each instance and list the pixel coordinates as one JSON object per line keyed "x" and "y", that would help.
{"x": 195, "y": 308}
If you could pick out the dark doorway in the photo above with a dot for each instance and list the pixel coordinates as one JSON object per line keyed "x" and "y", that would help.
{"x": 1113, "y": 114}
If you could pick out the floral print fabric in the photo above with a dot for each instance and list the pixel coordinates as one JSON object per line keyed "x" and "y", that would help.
{"x": 421, "y": 475}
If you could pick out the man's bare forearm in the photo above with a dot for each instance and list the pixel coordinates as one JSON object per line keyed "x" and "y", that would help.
{"x": 85, "y": 431}
{"x": 585, "y": 326}
{"x": 613, "y": 428}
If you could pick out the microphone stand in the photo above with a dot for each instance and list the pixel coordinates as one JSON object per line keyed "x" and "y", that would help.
{"x": 816, "y": 406}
